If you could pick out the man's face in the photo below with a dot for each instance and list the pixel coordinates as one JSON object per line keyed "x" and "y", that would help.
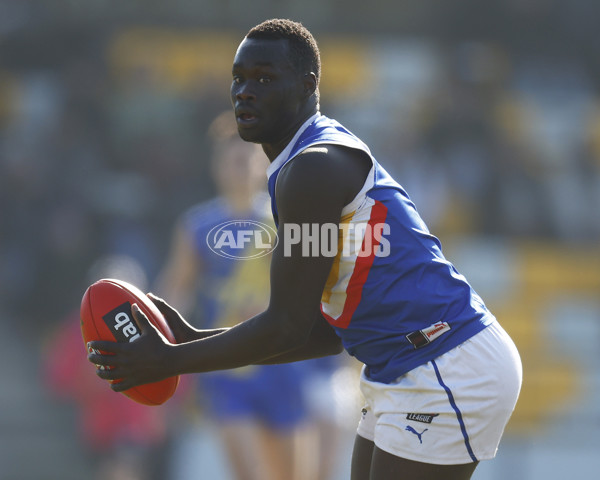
{"x": 267, "y": 92}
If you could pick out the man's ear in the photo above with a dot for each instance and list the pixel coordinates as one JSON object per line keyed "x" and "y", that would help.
{"x": 310, "y": 83}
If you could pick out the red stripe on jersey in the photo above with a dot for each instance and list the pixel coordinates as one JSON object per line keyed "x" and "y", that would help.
{"x": 361, "y": 270}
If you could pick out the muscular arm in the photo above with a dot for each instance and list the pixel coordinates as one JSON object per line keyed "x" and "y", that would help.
{"x": 312, "y": 190}
{"x": 323, "y": 341}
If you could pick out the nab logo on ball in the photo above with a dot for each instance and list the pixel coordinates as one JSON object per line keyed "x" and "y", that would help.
{"x": 121, "y": 324}
{"x": 242, "y": 239}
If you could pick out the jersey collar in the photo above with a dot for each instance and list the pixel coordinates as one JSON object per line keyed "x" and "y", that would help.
{"x": 283, "y": 156}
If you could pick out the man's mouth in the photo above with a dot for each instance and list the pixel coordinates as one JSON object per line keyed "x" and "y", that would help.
{"x": 246, "y": 118}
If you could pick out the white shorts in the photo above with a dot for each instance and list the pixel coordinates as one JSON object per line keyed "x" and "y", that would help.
{"x": 451, "y": 410}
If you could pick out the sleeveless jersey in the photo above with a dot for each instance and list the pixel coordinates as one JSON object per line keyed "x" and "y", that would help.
{"x": 391, "y": 295}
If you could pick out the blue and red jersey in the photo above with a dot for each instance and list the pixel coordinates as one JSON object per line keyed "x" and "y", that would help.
{"x": 391, "y": 295}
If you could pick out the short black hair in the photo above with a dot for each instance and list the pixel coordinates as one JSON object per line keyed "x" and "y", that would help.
{"x": 305, "y": 51}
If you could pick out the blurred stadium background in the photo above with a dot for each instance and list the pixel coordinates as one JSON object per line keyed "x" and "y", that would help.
{"x": 487, "y": 111}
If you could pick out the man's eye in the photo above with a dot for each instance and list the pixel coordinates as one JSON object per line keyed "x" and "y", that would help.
{"x": 237, "y": 79}
{"x": 264, "y": 80}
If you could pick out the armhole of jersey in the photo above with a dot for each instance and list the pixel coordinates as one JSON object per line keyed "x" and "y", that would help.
{"x": 277, "y": 179}
{"x": 360, "y": 196}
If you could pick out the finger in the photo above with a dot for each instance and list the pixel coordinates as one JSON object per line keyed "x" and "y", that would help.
{"x": 103, "y": 346}
{"x": 155, "y": 298}
{"x": 121, "y": 386}
{"x": 100, "y": 360}
{"x": 171, "y": 316}
{"x": 140, "y": 318}
{"x": 163, "y": 306}
{"x": 109, "y": 373}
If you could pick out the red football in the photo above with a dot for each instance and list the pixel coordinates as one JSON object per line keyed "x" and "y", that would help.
{"x": 106, "y": 315}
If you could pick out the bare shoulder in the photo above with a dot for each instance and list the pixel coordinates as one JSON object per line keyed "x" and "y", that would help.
{"x": 334, "y": 159}
{"x": 333, "y": 170}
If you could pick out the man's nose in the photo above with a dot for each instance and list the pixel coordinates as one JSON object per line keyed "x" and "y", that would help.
{"x": 245, "y": 93}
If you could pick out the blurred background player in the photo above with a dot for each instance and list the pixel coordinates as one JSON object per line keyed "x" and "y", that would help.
{"x": 260, "y": 412}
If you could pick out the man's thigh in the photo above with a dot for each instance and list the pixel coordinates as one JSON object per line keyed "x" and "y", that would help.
{"x": 386, "y": 466}
{"x": 372, "y": 463}
{"x": 362, "y": 456}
